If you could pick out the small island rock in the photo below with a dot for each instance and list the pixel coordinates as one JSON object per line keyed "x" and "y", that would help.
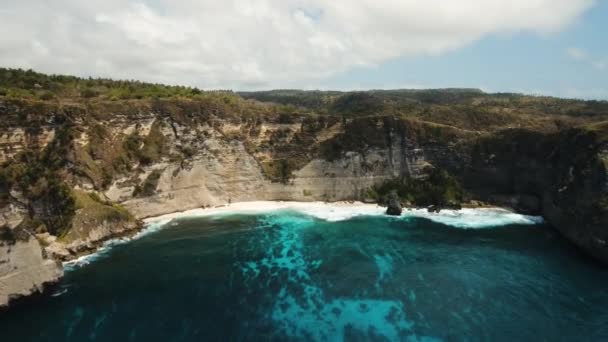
{"x": 394, "y": 205}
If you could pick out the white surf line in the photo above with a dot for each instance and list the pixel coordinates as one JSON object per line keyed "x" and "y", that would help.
{"x": 107, "y": 246}
{"x": 339, "y": 211}
{"x": 476, "y": 218}
{"x": 335, "y": 211}
{"x": 467, "y": 218}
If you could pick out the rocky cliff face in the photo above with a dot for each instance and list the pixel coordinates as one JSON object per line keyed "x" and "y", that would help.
{"x": 24, "y": 269}
{"x": 562, "y": 176}
{"x": 230, "y": 163}
{"x": 77, "y": 175}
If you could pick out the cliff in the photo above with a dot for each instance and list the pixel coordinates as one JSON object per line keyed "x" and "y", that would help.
{"x": 24, "y": 269}
{"x": 562, "y": 176}
{"x": 81, "y": 167}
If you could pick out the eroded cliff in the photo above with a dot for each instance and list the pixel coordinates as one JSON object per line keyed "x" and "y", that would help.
{"x": 80, "y": 171}
{"x": 24, "y": 267}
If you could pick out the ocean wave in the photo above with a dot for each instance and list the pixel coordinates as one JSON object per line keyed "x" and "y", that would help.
{"x": 107, "y": 246}
{"x": 467, "y": 218}
{"x": 476, "y": 218}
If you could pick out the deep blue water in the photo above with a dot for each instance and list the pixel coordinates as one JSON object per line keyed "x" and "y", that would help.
{"x": 287, "y": 276}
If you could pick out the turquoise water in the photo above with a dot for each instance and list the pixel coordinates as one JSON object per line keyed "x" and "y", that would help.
{"x": 286, "y": 276}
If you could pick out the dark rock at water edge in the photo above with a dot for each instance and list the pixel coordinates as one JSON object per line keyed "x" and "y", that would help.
{"x": 394, "y": 204}
{"x": 521, "y": 203}
{"x": 449, "y": 206}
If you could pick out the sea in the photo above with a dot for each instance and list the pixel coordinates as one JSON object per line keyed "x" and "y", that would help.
{"x": 326, "y": 273}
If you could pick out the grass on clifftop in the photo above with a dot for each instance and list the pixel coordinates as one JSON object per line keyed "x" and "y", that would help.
{"x": 469, "y": 109}
{"x": 19, "y": 83}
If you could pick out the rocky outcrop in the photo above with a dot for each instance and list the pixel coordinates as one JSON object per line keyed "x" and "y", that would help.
{"x": 28, "y": 264}
{"x": 24, "y": 270}
{"x": 561, "y": 176}
{"x": 393, "y": 205}
{"x": 94, "y": 223}
{"x": 88, "y": 239}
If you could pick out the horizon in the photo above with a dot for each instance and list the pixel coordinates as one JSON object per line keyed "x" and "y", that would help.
{"x": 236, "y": 91}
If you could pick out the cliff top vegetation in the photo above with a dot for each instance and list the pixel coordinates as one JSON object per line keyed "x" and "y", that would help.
{"x": 469, "y": 109}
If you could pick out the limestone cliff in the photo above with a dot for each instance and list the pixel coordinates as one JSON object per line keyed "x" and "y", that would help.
{"x": 76, "y": 173}
{"x": 24, "y": 270}
{"x": 229, "y": 163}
{"x": 565, "y": 174}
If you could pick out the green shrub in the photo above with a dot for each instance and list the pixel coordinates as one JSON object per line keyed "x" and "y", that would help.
{"x": 122, "y": 211}
{"x": 281, "y": 170}
{"x": 60, "y": 207}
{"x": 46, "y": 96}
{"x": 95, "y": 197}
{"x": 188, "y": 151}
{"x": 148, "y": 187}
{"x": 148, "y": 149}
{"x": 438, "y": 187}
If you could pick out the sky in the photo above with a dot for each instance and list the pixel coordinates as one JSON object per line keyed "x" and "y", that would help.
{"x": 543, "y": 47}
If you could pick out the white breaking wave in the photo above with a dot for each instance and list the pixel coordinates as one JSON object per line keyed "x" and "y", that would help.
{"x": 467, "y": 218}
{"x": 341, "y": 211}
{"x": 475, "y": 218}
{"x": 103, "y": 250}
{"x": 89, "y": 258}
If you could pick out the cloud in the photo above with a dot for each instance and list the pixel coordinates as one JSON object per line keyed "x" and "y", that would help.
{"x": 577, "y": 54}
{"x": 583, "y": 56}
{"x": 250, "y": 44}
{"x": 601, "y": 65}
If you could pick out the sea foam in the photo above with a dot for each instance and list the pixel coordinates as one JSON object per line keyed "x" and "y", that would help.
{"x": 107, "y": 246}
{"x": 467, "y": 218}
{"x": 341, "y": 211}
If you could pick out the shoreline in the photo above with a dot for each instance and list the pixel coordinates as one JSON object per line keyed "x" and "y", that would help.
{"x": 256, "y": 207}
{"x": 343, "y": 210}
{"x": 465, "y": 218}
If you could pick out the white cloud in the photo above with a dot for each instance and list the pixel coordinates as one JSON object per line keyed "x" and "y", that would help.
{"x": 247, "y": 43}
{"x": 581, "y": 55}
{"x": 577, "y": 54}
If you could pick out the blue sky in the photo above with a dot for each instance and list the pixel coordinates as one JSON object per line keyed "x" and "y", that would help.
{"x": 548, "y": 47}
{"x": 523, "y": 62}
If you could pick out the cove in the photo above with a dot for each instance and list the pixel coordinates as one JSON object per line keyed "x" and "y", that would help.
{"x": 314, "y": 275}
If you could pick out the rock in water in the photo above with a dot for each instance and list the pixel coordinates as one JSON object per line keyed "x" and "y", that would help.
{"x": 433, "y": 208}
{"x": 394, "y": 204}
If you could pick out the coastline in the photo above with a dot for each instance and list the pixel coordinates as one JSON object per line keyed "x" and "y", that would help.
{"x": 465, "y": 218}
